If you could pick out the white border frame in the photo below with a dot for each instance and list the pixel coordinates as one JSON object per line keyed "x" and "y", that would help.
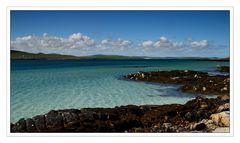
{"x": 231, "y": 134}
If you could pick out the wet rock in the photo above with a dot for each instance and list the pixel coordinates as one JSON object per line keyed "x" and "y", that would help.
{"x": 20, "y": 126}
{"x": 30, "y": 125}
{"x": 88, "y": 116}
{"x": 188, "y": 116}
{"x": 172, "y": 113}
{"x": 39, "y": 122}
{"x": 54, "y": 121}
{"x": 210, "y": 126}
{"x": 223, "y": 69}
{"x": 103, "y": 116}
{"x": 200, "y": 126}
{"x": 134, "y": 110}
{"x": 193, "y": 81}
{"x": 70, "y": 120}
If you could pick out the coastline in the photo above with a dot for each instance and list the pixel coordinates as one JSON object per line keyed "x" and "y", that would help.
{"x": 197, "y": 115}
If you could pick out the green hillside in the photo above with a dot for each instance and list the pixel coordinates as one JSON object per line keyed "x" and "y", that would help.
{"x": 19, "y": 55}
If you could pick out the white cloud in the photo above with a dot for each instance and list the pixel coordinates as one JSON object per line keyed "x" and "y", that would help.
{"x": 178, "y": 44}
{"x": 80, "y": 38}
{"x": 199, "y": 44}
{"x": 164, "y": 42}
{"x": 75, "y": 42}
{"x": 146, "y": 44}
{"x": 80, "y": 44}
{"x": 163, "y": 39}
{"x": 110, "y": 44}
{"x": 116, "y": 43}
{"x": 50, "y": 43}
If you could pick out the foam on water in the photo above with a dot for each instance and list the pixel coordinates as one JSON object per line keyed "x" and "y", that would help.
{"x": 37, "y": 90}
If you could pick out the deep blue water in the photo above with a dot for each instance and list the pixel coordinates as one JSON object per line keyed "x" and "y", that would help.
{"x": 38, "y": 86}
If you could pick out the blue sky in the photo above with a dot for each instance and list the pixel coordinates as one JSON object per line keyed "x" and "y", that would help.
{"x": 136, "y": 33}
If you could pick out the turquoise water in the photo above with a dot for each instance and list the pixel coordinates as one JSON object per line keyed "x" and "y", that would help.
{"x": 38, "y": 86}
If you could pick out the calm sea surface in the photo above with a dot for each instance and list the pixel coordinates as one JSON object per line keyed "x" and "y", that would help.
{"x": 38, "y": 86}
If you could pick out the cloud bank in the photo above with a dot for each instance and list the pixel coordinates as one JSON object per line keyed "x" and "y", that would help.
{"x": 80, "y": 44}
{"x": 164, "y": 42}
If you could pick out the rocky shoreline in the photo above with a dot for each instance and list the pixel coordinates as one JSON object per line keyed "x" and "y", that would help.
{"x": 197, "y": 115}
{"x": 191, "y": 81}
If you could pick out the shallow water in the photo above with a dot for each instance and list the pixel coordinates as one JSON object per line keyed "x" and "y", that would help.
{"x": 38, "y": 86}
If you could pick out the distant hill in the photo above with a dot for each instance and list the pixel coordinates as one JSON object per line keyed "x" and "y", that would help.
{"x": 32, "y": 56}
{"x": 217, "y": 59}
{"x": 198, "y": 58}
{"x": 19, "y": 55}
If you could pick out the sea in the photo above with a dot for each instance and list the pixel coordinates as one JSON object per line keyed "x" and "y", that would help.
{"x": 38, "y": 86}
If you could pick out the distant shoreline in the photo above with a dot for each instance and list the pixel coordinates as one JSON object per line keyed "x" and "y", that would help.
{"x": 19, "y": 55}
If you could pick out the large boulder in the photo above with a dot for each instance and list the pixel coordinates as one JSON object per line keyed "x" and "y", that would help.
{"x": 221, "y": 119}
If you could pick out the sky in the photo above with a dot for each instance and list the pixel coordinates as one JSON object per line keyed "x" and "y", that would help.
{"x": 132, "y": 33}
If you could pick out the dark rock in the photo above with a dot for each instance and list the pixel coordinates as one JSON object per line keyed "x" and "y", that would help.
{"x": 188, "y": 116}
{"x": 200, "y": 126}
{"x": 127, "y": 124}
{"x": 134, "y": 110}
{"x": 30, "y": 125}
{"x": 88, "y": 116}
{"x": 168, "y": 127}
{"x": 225, "y": 69}
{"x": 20, "y": 126}
{"x": 145, "y": 118}
{"x": 39, "y": 121}
{"x": 103, "y": 116}
{"x": 54, "y": 121}
{"x": 193, "y": 81}
{"x": 70, "y": 120}
{"x": 172, "y": 113}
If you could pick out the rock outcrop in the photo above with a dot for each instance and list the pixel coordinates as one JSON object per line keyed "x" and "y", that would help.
{"x": 198, "y": 115}
{"x": 192, "y": 81}
{"x": 225, "y": 69}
